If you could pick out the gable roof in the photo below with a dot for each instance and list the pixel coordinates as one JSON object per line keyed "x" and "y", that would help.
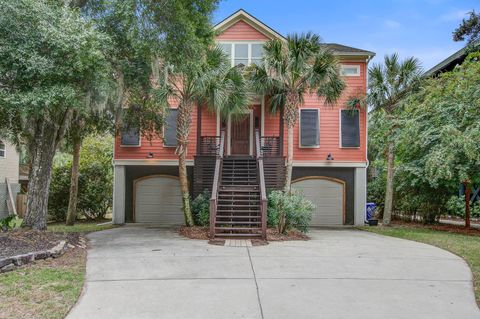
{"x": 242, "y": 15}
{"x": 250, "y": 20}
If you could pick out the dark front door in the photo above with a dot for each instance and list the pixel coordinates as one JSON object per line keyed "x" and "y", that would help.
{"x": 240, "y": 140}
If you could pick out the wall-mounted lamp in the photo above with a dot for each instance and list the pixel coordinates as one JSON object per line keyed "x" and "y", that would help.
{"x": 329, "y": 157}
{"x": 150, "y": 155}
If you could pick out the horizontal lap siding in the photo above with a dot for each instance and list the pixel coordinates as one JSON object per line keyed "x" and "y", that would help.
{"x": 329, "y": 125}
{"x": 241, "y": 31}
{"x": 209, "y": 123}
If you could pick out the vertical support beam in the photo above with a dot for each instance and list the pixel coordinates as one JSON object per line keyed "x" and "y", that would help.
{"x": 119, "y": 194}
{"x": 281, "y": 134}
{"x": 199, "y": 127}
{"x": 360, "y": 196}
{"x": 262, "y": 118}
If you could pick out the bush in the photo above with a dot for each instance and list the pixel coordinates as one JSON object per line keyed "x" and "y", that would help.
{"x": 95, "y": 182}
{"x": 456, "y": 207}
{"x": 289, "y": 210}
{"x": 201, "y": 209}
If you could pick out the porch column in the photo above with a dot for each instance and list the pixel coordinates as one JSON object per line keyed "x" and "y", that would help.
{"x": 119, "y": 194}
{"x": 360, "y": 193}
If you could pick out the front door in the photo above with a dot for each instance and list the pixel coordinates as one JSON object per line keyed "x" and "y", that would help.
{"x": 240, "y": 139}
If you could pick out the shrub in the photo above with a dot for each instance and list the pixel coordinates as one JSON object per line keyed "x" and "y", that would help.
{"x": 201, "y": 209}
{"x": 289, "y": 210}
{"x": 456, "y": 207}
{"x": 95, "y": 182}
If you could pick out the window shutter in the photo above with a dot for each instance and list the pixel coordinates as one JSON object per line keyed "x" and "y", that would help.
{"x": 309, "y": 128}
{"x": 170, "y": 132}
{"x": 350, "y": 128}
{"x": 130, "y": 137}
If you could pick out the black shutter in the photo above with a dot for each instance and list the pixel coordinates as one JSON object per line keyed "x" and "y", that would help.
{"x": 130, "y": 137}
{"x": 350, "y": 128}
{"x": 309, "y": 128}
{"x": 170, "y": 132}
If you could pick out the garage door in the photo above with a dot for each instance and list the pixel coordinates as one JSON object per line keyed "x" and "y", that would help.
{"x": 327, "y": 196}
{"x": 158, "y": 200}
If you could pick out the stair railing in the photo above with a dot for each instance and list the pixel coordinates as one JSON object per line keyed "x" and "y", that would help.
{"x": 216, "y": 182}
{"x": 263, "y": 191}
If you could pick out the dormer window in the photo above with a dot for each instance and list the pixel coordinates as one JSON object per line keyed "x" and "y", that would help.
{"x": 243, "y": 53}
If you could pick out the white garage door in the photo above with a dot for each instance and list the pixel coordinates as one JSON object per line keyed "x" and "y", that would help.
{"x": 158, "y": 200}
{"x": 327, "y": 196}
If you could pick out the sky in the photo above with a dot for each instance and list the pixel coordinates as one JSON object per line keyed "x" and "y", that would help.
{"x": 419, "y": 28}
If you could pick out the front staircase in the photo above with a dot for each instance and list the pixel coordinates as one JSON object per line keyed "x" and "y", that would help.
{"x": 238, "y": 211}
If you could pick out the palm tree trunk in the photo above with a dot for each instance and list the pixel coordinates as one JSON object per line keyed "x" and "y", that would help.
{"x": 291, "y": 116}
{"x": 387, "y": 212}
{"x": 288, "y": 173}
{"x": 73, "y": 199}
{"x": 184, "y": 121}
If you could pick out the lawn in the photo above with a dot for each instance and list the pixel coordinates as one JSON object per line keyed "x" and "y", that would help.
{"x": 47, "y": 288}
{"x": 465, "y": 246}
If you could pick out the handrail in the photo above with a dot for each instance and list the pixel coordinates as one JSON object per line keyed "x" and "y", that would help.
{"x": 263, "y": 191}
{"x": 216, "y": 180}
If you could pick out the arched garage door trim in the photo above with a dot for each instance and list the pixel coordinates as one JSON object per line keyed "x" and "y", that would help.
{"x": 331, "y": 179}
{"x": 136, "y": 181}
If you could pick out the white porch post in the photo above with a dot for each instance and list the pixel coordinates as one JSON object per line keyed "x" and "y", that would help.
{"x": 360, "y": 201}
{"x": 119, "y": 194}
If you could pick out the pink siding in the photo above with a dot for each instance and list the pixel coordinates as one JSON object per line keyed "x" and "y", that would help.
{"x": 241, "y": 31}
{"x": 329, "y": 125}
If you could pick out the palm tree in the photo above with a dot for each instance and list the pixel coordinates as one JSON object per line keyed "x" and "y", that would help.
{"x": 210, "y": 81}
{"x": 388, "y": 85}
{"x": 290, "y": 70}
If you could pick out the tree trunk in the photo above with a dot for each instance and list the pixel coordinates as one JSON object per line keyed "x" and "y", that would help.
{"x": 387, "y": 212}
{"x": 291, "y": 117}
{"x": 184, "y": 121}
{"x": 42, "y": 151}
{"x": 288, "y": 173}
{"x": 73, "y": 199}
{"x": 467, "y": 204}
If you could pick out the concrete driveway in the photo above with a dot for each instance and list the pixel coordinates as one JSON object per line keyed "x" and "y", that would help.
{"x": 147, "y": 272}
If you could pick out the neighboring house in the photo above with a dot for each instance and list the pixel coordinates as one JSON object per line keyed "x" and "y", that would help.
{"x": 9, "y": 163}
{"x": 330, "y": 151}
{"x": 449, "y": 63}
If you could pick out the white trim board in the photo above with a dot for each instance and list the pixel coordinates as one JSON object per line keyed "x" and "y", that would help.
{"x": 328, "y": 164}
{"x": 150, "y": 162}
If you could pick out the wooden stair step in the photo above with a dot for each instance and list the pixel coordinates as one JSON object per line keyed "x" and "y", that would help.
{"x": 238, "y": 228}
{"x": 237, "y": 222}
{"x": 252, "y": 235}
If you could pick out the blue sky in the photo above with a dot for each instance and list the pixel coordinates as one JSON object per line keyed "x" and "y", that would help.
{"x": 420, "y": 28}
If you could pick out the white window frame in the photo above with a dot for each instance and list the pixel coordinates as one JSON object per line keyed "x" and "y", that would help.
{"x": 300, "y": 127}
{"x": 350, "y": 66}
{"x": 340, "y": 130}
{"x": 4, "y": 149}
{"x": 163, "y": 133}
{"x": 233, "y": 43}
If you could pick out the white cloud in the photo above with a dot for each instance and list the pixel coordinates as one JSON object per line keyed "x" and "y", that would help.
{"x": 392, "y": 24}
{"x": 454, "y": 15}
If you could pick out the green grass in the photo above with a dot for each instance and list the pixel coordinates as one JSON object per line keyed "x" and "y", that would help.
{"x": 46, "y": 289}
{"x": 79, "y": 227}
{"x": 467, "y": 247}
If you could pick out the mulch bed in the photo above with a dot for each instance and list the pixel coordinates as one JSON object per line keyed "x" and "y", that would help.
{"x": 198, "y": 232}
{"x": 19, "y": 241}
{"x": 442, "y": 227}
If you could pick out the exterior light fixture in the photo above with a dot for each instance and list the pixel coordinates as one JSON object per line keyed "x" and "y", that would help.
{"x": 150, "y": 155}
{"x": 329, "y": 157}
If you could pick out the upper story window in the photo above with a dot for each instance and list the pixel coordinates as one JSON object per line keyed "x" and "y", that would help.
{"x": 243, "y": 53}
{"x": 349, "y": 128}
{"x": 2, "y": 149}
{"x": 350, "y": 70}
{"x": 130, "y": 137}
{"x": 170, "y": 129}
{"x": 309, "y": 128}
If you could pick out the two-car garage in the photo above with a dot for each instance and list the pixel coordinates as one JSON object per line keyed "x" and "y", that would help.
{"x": 157, "y": 199}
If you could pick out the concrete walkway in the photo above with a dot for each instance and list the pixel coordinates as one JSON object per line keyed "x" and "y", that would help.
{"x": 142, "y": 272}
